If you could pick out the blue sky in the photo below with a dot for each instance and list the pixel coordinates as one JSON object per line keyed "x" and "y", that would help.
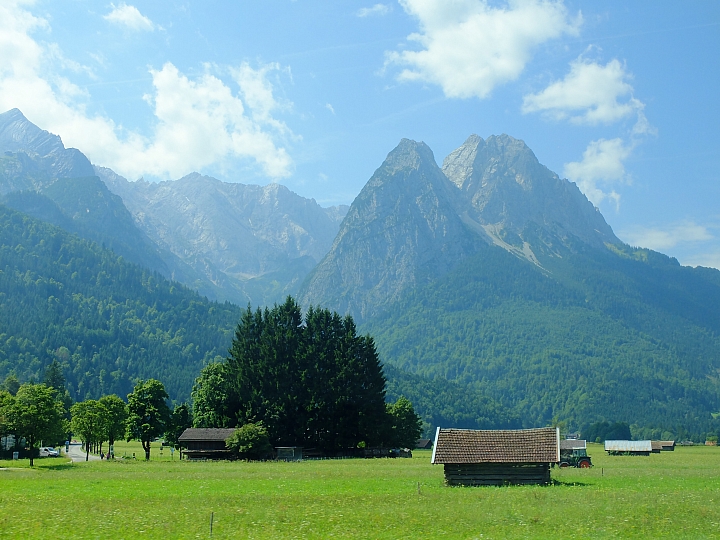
{"x": 620, "y": 97}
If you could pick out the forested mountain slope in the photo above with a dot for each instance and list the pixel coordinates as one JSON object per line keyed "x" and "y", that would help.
{"x": 629, "y": 336}
{"x": 107, "y": 321}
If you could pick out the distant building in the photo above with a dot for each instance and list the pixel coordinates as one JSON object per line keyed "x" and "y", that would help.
{"x": 424, "y": 444}
{"x": 289, "y": 453}
{"x": 667, "y": 446}
{"x": 573, "y": 444}
{"x": 631, "y": 448}
{"x": 662, "y": 446}
{"x": 205, "y": 443}
{"x": 496, "y": 457}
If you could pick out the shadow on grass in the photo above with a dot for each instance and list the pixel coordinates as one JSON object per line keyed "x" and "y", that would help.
{"x": 569, "y": 484}
{"x": 509, "y": 485}
{"x": 58, "y": 466}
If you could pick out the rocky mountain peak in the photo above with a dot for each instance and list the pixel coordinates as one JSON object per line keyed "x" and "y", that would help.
{"x": 47, "y": 155}
{"x": 409, "y": 155}
{"x": 18, "y": 134}
{"x": 509, "y": 190}
{"x": 403, "y": 228}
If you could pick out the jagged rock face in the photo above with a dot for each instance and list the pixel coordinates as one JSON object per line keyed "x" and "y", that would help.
{"x": 33, "y": 158}
{"x": 233, "y": 233}
{"x": 413, "y": 222}
{"x": 402, "y": 229}
{"x": 509, "y": 190}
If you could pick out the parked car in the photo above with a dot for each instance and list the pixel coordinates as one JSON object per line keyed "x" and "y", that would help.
{"x": 47, "y": 451}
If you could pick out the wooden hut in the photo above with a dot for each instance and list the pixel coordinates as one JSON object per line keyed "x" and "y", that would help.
{"x": 205, "y": 443}
{"x": 568, "y": 445}
{"x": 424, "y": 444}
{"x": 662, "y": 446}
{"x": 496, "y": 457}
{"x": 667, "y": 446}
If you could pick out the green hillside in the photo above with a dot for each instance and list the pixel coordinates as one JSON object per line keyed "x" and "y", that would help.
{"x": 109, "y": 322}
{"x": 624, "y": 335}
{"x": 105, "y": 320}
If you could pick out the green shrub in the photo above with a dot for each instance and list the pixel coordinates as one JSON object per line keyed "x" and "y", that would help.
{"x": 250, "y": 441}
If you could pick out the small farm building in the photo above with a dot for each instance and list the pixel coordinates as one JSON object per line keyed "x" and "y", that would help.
{"x": 496, "y": 457}
{"x": 424, "y": 444}
{"x": 205, "y": 443}
{"x": 289, "y": 453}
{"x": 667, "y": 446}
{"x": 568, "y": 445}
{"x": 632, "y": 448}
{"x": 662, "y": 446}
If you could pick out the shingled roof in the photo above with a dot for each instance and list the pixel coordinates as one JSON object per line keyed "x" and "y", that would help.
{"x": 573, "y": 444}
{"x": 206, "y": 434}
{"x": 541, "y": 445}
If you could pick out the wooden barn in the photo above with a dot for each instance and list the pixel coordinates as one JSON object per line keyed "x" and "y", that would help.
{"x": 667, "y": 446}
{"x": 205, "y": 443}
{"x": 568, "y": 445}
{"x": 496, "y": 457}
{"x": 424, "y": 444}
{"x": 662, "y": 446}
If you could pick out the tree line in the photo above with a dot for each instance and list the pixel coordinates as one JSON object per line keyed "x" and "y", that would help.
{"x": 37, "y": 413}
{"x": 289, "y": 380}
{"x": 310, "y": 380}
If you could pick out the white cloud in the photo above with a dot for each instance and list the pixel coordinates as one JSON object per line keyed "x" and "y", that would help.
{"x": 330, "y": 108}
{"x": 589, "y": 94}
{"x": 199, "y": 122}
{"x": 377, "y": 9}
{"x": 469, "y": 47}
{"x": 709, "y": 259}
{"x": 659, "y": 239}
{"x": 130, "y": 17}
{"x": 601, "y": 167}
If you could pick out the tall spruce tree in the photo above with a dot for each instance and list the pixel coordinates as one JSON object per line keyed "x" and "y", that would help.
{"x": 310, "y": 381}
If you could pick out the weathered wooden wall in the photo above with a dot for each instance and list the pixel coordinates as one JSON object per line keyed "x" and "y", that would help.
{"x": 496, "y": 474}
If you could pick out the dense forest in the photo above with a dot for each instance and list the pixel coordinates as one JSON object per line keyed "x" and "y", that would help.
{"x": 624, "y": 335}
{"x": 617, "y": 336}
{"x": 108, "y": 323}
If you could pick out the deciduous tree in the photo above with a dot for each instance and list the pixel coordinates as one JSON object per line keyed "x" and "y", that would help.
{"x": 148, "y": 413}
{"x": 250, "y": 441}
{"x": 6, "y": 402}
{"x": 89, "y": 421}
{"x": 213, "y": 397}
{"x": 406, "y": 424}
{"x": 181, "y": 420}
{"x": 116, "y": 418}
{"x": 36, "y": 416}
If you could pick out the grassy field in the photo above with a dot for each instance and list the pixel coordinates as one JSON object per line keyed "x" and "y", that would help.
{"x": 673, "y": 494}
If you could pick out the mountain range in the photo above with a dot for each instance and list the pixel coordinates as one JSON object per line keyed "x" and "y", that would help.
{"x": 496, "y": 292}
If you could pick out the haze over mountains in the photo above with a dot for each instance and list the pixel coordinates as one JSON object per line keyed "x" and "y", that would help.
{"x": 228, "y": 241}
{"x": 490, "y": 281}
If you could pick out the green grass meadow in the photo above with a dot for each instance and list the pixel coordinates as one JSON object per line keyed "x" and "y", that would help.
{"x": 672, "y": 494}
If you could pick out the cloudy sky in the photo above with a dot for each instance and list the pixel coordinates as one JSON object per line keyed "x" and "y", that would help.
{"x": 619, "y": 97}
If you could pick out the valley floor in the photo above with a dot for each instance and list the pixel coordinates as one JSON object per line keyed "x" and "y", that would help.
{"x": 673, "y": 494}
